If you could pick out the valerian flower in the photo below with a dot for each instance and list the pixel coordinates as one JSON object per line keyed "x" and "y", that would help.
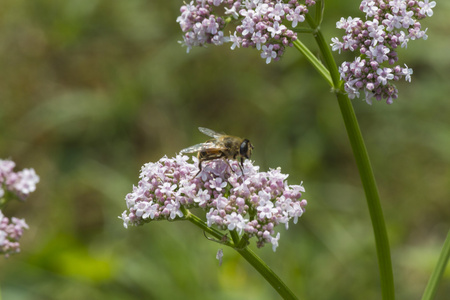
{"x": 10, "y": 233}
{"x": 249, "y": 202}
{"x": 258, "y": 24}
{"x": 20, "y": 184}
{"x": 16, "y": 185}
{"x": 388, "y": 25}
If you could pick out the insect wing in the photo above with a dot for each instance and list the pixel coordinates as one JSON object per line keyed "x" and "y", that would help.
{"x": 192, "y": 149}
{"x": 208, "y": 146}
{"x": 210, "y": 132}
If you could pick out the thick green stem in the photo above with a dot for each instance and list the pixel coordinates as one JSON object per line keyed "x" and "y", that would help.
{"x": 372, "y": 196}
{"x": 235, "y": 237}
{"x": 438, "y": 271}
{"x": 362, "y": 161}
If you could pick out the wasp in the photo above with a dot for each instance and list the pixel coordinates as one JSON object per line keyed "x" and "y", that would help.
{"x": 222, "y": 146}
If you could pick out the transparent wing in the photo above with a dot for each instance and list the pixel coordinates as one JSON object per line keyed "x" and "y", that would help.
{"x": 202, "y": 147}
{"x": 192, "y": 149}
{"x": 210, "y": 132}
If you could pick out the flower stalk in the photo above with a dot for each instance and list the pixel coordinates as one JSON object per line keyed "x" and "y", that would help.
{"x": 323, "y": 71}
{"x": 364, "y": 166}
{"x": 240, "y": 245}
{"x": 436, "y": 276}
{"x": 266, "y": 272}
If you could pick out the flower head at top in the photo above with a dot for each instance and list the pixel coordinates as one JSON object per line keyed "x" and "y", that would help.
{"x": 249, "y": 201}
{"x": 388, "y": 25}
{"x": 258, "y": 24}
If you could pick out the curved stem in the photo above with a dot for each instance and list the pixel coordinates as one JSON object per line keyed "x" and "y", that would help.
{"x": 314, "y": 61}
{"x": 372, "y": 196}
{"x": 438, "y": 271}
{"x": 326, "y": 52}
{"x": 219, "y": 236}
{"x": 363, "y": 163}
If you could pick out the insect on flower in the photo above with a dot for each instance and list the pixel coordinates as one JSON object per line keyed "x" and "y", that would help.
{"x": 222, "y": 146}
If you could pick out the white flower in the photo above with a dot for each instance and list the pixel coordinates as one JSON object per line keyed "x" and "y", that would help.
{"x": 276, "y": 29}
{"x": 268, "y": 53}
{"x": 266, "y": 210}
{"x": 384, "y": 74}
{"x": 202, "y": 197}
{"x": 274, "y": 241}
{"x": 235, "y": 221}
{"x": 427, "y": 8}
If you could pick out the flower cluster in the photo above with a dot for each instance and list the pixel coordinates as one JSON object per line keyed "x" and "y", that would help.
{"x": 13, "y": 185}
{"x": 388, "y": 25}
{"x": 10, "y": 233}
{"x": 249, "y": 202}
{"x": 21, "y": 184}
{"x": 259, "y": 24}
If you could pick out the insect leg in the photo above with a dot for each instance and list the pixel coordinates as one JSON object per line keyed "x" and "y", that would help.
{"x": 202, "y": 159}
{"x": 226, "y": 160}
{"x": 200, "y": 166}
{"x": 241, "y": 165}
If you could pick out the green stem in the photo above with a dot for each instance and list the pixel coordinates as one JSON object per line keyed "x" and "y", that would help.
{"x": 326, "y": 52}
{"x": 243, "y": 242}
{"x": 249, "y": 255}
{"x": 438, "y": 271}
{"x": 363, "y": 163}
{"x": 320, "y": 7}
{"x": 267, "y": 273}
{"x": 219, "y": 236}
{"x": 314, "y": 61}
{"x": 372, "y": 196}
{"x": 7, "y": 197}
{"x": 235, "y": 237}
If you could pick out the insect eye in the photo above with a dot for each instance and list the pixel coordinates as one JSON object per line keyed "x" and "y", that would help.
{"x": 244, "y": 149}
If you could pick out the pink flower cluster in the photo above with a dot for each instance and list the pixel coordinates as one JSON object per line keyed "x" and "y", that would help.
{"x": 21, "y": 184}
{"x": 388, "y": 25}
{"x": 252, "y": 203}
{"x": 13, "y": 185}
{"x": 259, "y": 24}
{"x": 10, "y": 233}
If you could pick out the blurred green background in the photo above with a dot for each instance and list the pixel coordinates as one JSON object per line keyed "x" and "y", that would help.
{"x": 92, "y": 89}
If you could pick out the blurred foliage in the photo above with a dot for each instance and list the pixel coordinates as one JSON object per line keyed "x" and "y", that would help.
{"x": 92, "y": 89}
